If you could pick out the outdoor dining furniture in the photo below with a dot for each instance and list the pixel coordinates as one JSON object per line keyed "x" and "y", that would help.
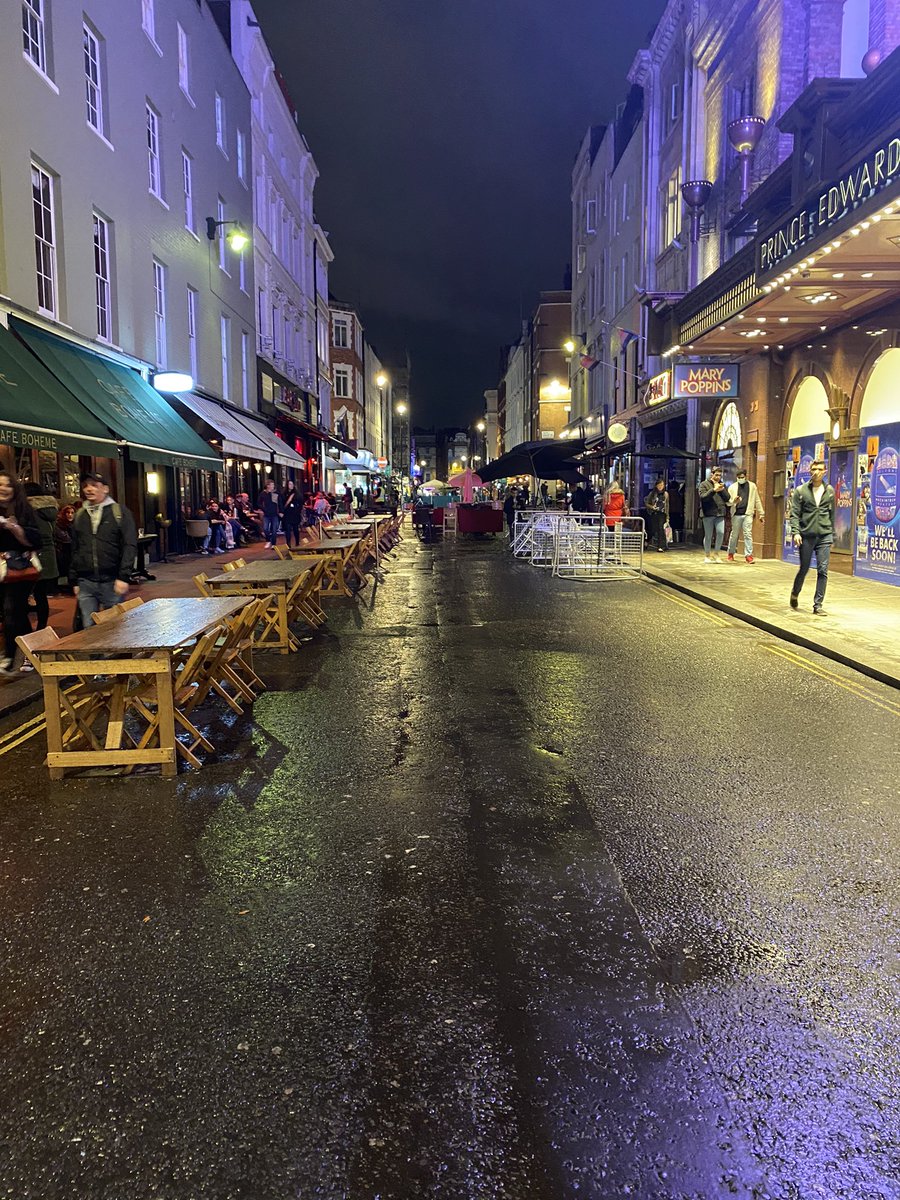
{"x": 292, "y": 588}
{"x": 133, "y": 662}
{"x": 341, "y": 562}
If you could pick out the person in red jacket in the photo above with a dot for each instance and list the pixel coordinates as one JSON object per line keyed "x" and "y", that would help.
{"x": 615, "y": 506}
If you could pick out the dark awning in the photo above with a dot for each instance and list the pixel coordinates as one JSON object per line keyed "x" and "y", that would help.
{"x": 235, "y": 439}
{"x": 282, "y": 453}
{"x": 124, "y": 401}
{"x": 36, "y": 411}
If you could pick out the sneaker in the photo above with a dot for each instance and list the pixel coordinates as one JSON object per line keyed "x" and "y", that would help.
{"x": 819, "y": 611}
{"x": 707, "y": 560}
{"x": 25, "y": 668}
{"x": 731, "y": 558}
{"x": 749, "y": 558}
{"x": 794, "y": 601}
{"x": 661, "y": 549}
{"x": 717, "y": 558}
{"x": 267, "y": 546}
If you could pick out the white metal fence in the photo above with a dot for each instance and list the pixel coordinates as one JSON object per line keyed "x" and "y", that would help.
{"x": 580, "y": 545}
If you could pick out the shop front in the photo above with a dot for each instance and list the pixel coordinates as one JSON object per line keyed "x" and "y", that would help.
{"x": 876, "y": 554}
{"x": 155, "y": 447}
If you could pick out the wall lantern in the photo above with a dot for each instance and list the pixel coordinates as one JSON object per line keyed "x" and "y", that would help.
{"x": 173, "y": 381}
{"x": 152, "y": 482}
{"x": 744, "y": 135}
{"x": 236, "y": 239}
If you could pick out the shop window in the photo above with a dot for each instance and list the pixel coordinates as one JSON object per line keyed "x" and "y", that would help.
{"x": 729, "y": 436}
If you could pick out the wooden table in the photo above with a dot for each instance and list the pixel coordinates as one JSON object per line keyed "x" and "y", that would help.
{"x": 340, "y": 559}
{"x": 141, "y": 642}
{"x": 293, "y": 584}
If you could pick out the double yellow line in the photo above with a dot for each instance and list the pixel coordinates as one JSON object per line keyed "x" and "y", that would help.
{"x": 699, "y": 610}
{"x": 855, "y": 689}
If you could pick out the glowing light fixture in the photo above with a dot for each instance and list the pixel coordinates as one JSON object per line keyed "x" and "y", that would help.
{"x": 173, "y": 381}
{"x": 152, "y": 482}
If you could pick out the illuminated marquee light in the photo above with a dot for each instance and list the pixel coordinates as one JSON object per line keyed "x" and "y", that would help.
{"x": 864, "y": 180}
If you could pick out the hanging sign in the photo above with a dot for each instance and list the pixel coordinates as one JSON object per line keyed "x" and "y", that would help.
{"x": 659, "y": 389}
{"x": 706, "y": 379}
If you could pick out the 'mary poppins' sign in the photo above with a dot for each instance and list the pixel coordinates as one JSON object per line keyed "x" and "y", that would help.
{"x": 706, "y": 379}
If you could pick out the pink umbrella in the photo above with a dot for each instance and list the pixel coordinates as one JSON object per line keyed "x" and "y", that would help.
{"x": 467, "y": 481}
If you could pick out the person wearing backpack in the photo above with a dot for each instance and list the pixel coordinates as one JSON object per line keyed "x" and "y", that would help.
{"x": 104, "y": 545}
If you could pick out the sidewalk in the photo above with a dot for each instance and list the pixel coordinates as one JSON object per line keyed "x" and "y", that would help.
{"x": 862, "y": 628}
{"x": 172, "y": 579}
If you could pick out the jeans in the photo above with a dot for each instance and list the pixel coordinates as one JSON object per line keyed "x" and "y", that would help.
{"x": 94, "y": 594}
{"x": 270, "y": 527}
{"x": 822, "y": 550}
{"x": 713, "y": 525}
{"x": 741, "y": 524}
{"x": 292, "y": 530}
{"x": 215, "y": 539}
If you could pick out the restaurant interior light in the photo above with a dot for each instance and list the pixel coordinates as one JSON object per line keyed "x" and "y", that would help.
{"x": 173, "y": 381}
{"x": 152, "y": 482}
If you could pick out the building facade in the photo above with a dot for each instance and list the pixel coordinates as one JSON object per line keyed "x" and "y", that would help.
{"x": 121, "y": 179}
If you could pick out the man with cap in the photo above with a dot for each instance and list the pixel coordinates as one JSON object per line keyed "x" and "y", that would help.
{"x": 104, "y": 545}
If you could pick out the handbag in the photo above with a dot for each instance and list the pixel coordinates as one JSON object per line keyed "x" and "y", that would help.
{"x": 20, "y": 566}
{"x": 667, "y": 529}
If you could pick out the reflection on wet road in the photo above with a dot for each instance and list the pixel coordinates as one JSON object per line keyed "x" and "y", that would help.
{"x": 509, "y": 888}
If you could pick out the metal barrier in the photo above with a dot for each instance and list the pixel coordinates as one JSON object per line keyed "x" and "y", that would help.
{"x": 587, "y": 547}
{"x": 534, "y": 534}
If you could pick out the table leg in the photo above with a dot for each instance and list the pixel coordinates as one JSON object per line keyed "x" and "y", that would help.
{"x": 284, "y": 637}
{"x": 53, "y": 718}
{"x": 165, "y": 708}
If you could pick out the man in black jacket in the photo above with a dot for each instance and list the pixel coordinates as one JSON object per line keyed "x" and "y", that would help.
{"x": 812, "y": 527}
{"x": 104, "y": 544}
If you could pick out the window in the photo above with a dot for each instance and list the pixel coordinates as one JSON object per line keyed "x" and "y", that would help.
{"x": 341, "y": 332}
{"x": 729, "y": 435}
{"x": 242, "y": 156}
{"x": 93, "y": 81}
{"x": 590, "y": 216}
{"x": 184, "y": 62}
{"x": 275, "y": 331}
{"x": 159, "y": 311}
{"x": 148, "y": 19}
{"x": 624, "y": 199}
{"x": 33, "y": 33}
{"x": 187, "y": 180}
{"x": 44, "y": 239}
{"x": 103, "y": 278}
{"x": 242, "y": 272}
{"x": 670, "y": 209}
{"x": 624, "y": 280}
{"x": 261, "y": 317}
{"x": 192, "y": 330}
{"x": 245, "y": 368}
{"x": 225, "y": 335}
{"x": 220, "y": 124}
{"x": 153, "y": 163}
{"x": 342, "y": 383}
{"x": 580, "y": 259}
{"x": 220, "y": 217}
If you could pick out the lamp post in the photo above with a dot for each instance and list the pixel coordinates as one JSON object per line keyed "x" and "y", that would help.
{"x": 381, "y": 382}
{"x": 402, "y": 411}
{"x": 481, "y": 426}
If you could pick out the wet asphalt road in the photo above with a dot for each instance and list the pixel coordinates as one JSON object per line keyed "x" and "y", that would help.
{"x": 511, "y": 889}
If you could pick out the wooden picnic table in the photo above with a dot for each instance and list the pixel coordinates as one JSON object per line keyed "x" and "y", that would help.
{"x": 143, "y": 641}
{"x": 293, "y": 584}
{"x": 341, "y": 561}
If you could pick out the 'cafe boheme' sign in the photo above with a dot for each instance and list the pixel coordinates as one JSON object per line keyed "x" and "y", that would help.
{"x": 865, "y": 179}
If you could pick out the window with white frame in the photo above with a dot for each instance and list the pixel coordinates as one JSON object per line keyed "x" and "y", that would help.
{"x": 242, "y": 273}
{"x": 590, "y": 216}
{"x": 242, "y": 156}
{"x": 103, "y": 278}
{"x": 245, "y": 368}
{"x": 153, "y": 152}
{"x": 624, "y": 278}
{"x": 148, "y": 19}
{"x": 342, "y": 332}
{"x": 261, "y": 317}
{"x": 192, "y": 331}
{"x": 44, "y": 239}
{"x": 580, "y": 259}
{"x": 34, "y": 34}
{"x": 225, "y": 337}
{"x": 184, "y": 62}
{"x": 159, "y": 311}
{"x": 187, "y": 181}
{"x": 276, "y": 330}
{"x": 221, "y": 132}
{"x": 93, "y": 81}
{"x": 223, "y": 244}
{"x": 342, "y": 383}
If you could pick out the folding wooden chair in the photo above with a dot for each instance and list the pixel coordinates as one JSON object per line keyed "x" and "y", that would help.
{"x": 303, "y": 598}
{"x": 201, "y": 584}
{"x": 233, "y": 566}
{"x": 282, "y": 551}
{"x": 81, "y": 702}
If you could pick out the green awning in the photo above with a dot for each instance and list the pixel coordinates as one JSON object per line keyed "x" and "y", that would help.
{"x": 36, "y": 411}
{"x": 123, "y": 400}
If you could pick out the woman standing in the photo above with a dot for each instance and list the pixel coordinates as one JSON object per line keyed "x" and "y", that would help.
{"x": 45, "y": 510}
{"x": 19, "y": 535}
{"x": 292, "y": 513}
{"x": 615, "y": 506}
{"x": 62, "y": 542}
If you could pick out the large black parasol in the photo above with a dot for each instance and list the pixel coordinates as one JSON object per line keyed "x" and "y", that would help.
{"x": 547, "y": 459}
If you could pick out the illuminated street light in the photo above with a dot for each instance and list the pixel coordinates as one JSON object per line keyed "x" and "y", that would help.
{"x": 381, "y": 380}
{"x": 569, "y": 346}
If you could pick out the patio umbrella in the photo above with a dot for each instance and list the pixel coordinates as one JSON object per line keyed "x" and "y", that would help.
{"x": 433, "y": 485}
{"x": 543, "y": 459}
{"x": 467, "y": 481}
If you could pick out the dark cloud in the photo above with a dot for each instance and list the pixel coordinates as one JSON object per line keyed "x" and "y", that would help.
{"x": 445, "y": 135}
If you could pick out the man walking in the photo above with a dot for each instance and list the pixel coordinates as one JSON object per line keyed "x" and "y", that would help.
{"x": 812, "y": 525}
{"x": 104, "y": 544}
{"x": 714, "y": 506}
{"x": 745, "y": 505}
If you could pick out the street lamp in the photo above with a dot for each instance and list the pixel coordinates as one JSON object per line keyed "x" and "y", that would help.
{"x": 381, "y": 382}
{"x": 236, "y": 239}
{"x": 402, "y": 410}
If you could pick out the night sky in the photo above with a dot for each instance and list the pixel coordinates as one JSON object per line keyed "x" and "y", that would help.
{"x": 445, "y": 133}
